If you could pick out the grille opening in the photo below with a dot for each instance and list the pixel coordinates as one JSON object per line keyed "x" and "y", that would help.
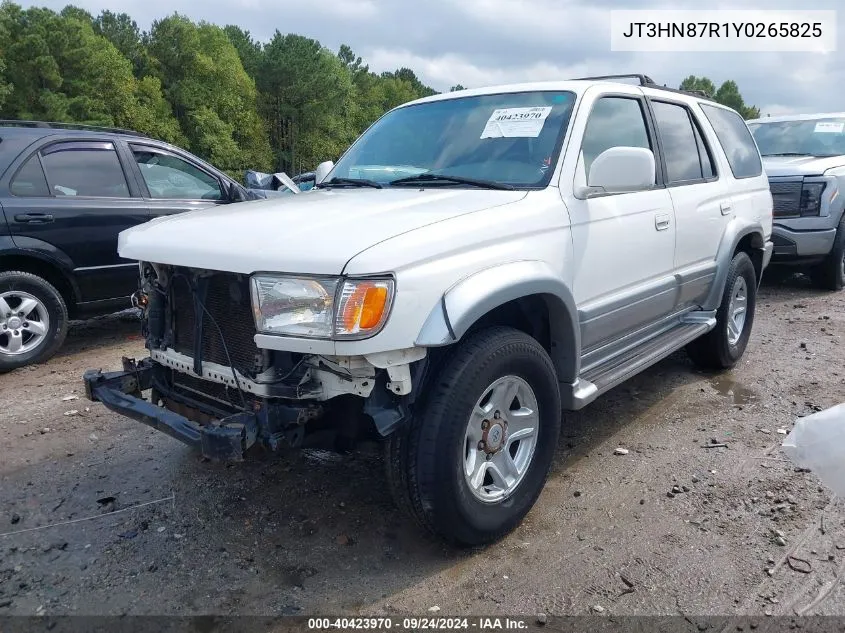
{"x": 228, "y": 302}
{"x": 786, "y": 198}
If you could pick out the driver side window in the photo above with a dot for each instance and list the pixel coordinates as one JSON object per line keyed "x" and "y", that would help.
{"x": 614, "y": 122}
{"x": 169, "y": 177}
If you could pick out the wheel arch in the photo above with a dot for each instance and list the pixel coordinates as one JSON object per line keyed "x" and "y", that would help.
{"x": 525, "y": 295}
{"x": 43, "y": 265}
{"x": 739, "y": 236}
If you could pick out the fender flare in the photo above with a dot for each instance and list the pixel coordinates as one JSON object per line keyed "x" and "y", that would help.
{"x": 737, "y": 230}
{"x": 466, "y": 302}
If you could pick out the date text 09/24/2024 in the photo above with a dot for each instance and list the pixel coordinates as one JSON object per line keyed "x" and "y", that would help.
{"x": 418, "y": 623}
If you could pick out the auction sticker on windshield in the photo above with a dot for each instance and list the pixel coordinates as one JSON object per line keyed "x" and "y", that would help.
{"x": 516, "y": 122}
{"x": 829, "y": 127}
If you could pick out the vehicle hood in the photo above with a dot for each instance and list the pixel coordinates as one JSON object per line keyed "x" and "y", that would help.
{"x": 315, "y": 232}
{"x": 800, "y": 165}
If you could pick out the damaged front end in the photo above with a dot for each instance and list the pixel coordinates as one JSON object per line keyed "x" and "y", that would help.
{"x": 212, "y": 388}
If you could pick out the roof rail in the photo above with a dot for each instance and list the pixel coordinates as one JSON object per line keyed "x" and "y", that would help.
{"x": 644, "y": 80}
{"x": 68, "y": 126}
{"x": 647, "y": 81}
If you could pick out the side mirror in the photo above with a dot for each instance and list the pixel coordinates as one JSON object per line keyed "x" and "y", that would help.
{"x": 234, "y": 193}
{"x": 621, "y": 169}
{"x": 322, "y": 171}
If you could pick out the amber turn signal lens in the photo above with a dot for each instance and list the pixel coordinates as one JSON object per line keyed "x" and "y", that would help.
{"x": 363, "y": 306}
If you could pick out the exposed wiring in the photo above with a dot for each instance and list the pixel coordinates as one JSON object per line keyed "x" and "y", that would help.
{"x": 290, "y": 373}
{"x": 222, "y": 338}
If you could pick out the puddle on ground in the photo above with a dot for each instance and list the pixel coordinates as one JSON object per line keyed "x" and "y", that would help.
{"x": 729, "y": 388}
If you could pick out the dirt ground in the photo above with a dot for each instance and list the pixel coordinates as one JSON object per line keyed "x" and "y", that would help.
{"x": 101, "y": 515}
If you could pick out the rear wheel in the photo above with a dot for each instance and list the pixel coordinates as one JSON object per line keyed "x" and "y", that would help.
{"x": 830, "y": 274}
{"x": 724, "y": 345}
{"x": 472, "y": 462}
{"x": 33, "y": 320}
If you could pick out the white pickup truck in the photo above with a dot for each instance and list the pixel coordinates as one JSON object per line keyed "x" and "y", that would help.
{"x": 474, "y": 265}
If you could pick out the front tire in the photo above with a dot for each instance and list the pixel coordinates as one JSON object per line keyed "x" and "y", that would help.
{"x": 830, "y": 274}
{"x": 724, "y": 345}
{"x": 33, "y": 320}
{"x": 472, "y": 461}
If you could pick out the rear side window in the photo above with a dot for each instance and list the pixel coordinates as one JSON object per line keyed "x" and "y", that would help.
{"x": 736, "y": 140}
{"x": 84, "y": 169}
{"x": 30, "y": 180}
{"x": 678, "y": 142}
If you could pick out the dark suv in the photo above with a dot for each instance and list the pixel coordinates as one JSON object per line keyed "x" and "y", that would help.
{"x": 66, "y": 191}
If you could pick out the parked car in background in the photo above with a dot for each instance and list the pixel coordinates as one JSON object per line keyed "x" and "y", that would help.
{"x": 305, "y": 181}
{"x": 476, "y": 262}
{"x": 266, "y": 185}
{"x": 804, "y": 158}
{"x": 66, "y": 191}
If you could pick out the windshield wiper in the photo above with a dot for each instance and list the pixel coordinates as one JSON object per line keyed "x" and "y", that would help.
{"x": 788, "y": 154}
{"x": 458, "y": 180}
{"x": 350, "y": 182}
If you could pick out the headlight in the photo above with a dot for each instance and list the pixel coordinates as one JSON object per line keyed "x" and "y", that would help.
{"x": 320, "y": 307}
{"x": 294, "y": 306}
{"x": 811, "y": 198}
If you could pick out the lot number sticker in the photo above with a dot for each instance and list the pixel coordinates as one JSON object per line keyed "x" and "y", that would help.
{"x": 829, "y": 127}
{"x": 516, "y": 122}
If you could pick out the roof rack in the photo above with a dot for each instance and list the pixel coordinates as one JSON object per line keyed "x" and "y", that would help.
{"x": 647, "y": 81}
{"x": 68, "y": 126}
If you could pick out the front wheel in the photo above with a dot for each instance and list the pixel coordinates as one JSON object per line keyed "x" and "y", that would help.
{"x": 724, "y": 345}
{"x": 33, "y": 320}
{"x": 472, "y": 462}
{"x": 830, "y": 274}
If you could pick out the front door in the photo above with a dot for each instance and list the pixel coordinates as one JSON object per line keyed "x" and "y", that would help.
{"x": 174, "y": 184}
{"x": 624, "y": 244}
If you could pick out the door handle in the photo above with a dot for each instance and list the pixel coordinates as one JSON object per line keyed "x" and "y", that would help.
{"x": 34, "y": 218}
{"x": 725, "y": 207}
{"x": 661, "y": 221}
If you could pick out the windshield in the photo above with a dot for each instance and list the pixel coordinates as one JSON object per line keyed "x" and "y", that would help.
{"x": 511, "y": 139}
{"x": 816, "y": 137}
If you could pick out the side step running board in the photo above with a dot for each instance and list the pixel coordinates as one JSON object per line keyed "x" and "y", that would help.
{"x": 618, "y": 369}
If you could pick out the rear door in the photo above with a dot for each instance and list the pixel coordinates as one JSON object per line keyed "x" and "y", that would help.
{"x": 700, "y": 192}
{"x": 173, "y": 183}
{"x": 74, "y": 195}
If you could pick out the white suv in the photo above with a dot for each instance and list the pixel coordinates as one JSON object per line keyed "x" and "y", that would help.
{"x": 474, "y": 264}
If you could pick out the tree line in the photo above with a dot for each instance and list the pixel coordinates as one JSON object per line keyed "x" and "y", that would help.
{"x": 285, "y": 104}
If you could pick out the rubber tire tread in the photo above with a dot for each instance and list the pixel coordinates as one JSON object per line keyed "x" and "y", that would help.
{"x": 713, "y": 351}
{"x": 411, "y": 450}
{"x": 828, "y": 274}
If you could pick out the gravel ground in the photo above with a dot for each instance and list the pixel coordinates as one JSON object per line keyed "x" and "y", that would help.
{"x": 312, "y": 532}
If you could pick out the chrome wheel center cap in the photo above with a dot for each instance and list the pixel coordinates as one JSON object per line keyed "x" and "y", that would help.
{"x": 494, "y": 437}
{"x": 14, "y": 323}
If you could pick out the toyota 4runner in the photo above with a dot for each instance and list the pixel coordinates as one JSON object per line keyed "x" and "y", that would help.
{"x": 804, "y": 157}
{"x": 474, "y": 264}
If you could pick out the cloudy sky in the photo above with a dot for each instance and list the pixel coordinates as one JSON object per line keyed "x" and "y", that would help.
{"x": 480, "y": 42}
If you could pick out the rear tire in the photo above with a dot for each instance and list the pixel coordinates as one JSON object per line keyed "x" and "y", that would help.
{"x": 724, "y": 345}
{"x": 830, "y": 274}
{"x": 33, "y": 320}
{"x": 494, "y": 403}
